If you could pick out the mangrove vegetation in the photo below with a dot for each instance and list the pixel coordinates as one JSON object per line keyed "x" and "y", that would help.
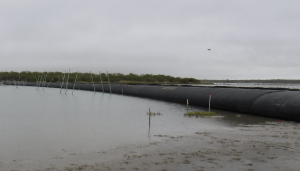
{"x": 87, "y": 78}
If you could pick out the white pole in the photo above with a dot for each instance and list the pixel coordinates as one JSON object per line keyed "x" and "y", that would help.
{"x": 108, "y": 82}
{"x": 66, "y": 89}
{"x": 36, "y": 81}
{"x": 209, "y": 103}
{"x": 59, "y": 82}
{"x": 45, "y": 81}
{"x": 40, "y": 82}
{"x": 49, "y": 83}
{"x": 93, "y": 81}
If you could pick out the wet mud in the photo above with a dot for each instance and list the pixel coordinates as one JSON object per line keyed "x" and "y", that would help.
{"x": 267, "y": 146}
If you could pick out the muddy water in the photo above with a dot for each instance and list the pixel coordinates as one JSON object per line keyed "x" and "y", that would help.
{"x": 38, "y": 125}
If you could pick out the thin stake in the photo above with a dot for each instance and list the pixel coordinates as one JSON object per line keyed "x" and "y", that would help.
{"x": 187, "y": 102}
{"x": 75, "y": 82}
{"x": 101, "y": 82}
{"x": 149, "y": 119}
{"x": 67, "y": 82}
{"x": 64, "y": 76}
{"x": 209, "y": 102}
{"x": 109, "y": 82}
{"x": 93, "y": 81}
{"x": 36, "y": 82}
{"x": 45, "y": 81}
{"x": 49, "y": 82}
{"x": 15, "y": 82}
{"x": 40, "y": 82}
{"x": 60, "y": 83}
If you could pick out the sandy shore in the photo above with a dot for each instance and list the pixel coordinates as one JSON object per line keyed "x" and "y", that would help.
{"x": 271, "y": 146}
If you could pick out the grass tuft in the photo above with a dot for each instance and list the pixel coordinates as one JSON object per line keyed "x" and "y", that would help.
{"x": 154, "y": 113}
{"x": 198, "y": 113}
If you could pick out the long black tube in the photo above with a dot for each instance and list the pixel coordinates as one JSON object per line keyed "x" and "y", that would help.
{"x": 281, "y": 104}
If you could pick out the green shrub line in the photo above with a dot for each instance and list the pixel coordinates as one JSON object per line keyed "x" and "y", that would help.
{"x": 198, "y": 113}
{"x": 113, "y": 77}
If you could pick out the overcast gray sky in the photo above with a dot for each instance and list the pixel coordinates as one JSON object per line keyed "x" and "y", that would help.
{"x": 249, "y": 39}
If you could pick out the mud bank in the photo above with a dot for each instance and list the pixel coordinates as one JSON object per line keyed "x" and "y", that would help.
{"x": 255, "y": 147}
{"x": 270, "y": 146}
{"x": 281, "y": 104}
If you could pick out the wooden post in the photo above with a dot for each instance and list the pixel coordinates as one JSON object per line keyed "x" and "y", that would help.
{"x": 187, "y": 105}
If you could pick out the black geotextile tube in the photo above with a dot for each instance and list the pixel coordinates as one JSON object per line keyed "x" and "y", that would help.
{"x": 281, "y": 104}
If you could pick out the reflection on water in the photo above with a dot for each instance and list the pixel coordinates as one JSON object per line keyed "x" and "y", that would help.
{"x": 42, "y": 124}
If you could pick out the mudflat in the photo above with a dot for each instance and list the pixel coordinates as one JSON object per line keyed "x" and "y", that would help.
{"x": 269, "y": 146}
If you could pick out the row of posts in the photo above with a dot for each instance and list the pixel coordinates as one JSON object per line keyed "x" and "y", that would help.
{"x": 41, "y": 81}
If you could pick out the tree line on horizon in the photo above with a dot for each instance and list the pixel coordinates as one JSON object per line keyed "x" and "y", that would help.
{"x": 87, "y": 77}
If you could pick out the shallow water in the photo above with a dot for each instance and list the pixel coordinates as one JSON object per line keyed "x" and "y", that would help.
{"x": 37, "y": 125}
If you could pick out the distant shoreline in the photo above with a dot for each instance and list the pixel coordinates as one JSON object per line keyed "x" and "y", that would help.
{"x": 273, "y": 81}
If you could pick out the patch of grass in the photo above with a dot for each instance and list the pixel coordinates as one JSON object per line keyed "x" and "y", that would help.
{"x": 154, "y": 113}
{"x": 207, "y": 113}
{"x": 198, "y": 113}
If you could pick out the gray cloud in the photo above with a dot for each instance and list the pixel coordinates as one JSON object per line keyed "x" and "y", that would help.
{"x": 249, "y": 39}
